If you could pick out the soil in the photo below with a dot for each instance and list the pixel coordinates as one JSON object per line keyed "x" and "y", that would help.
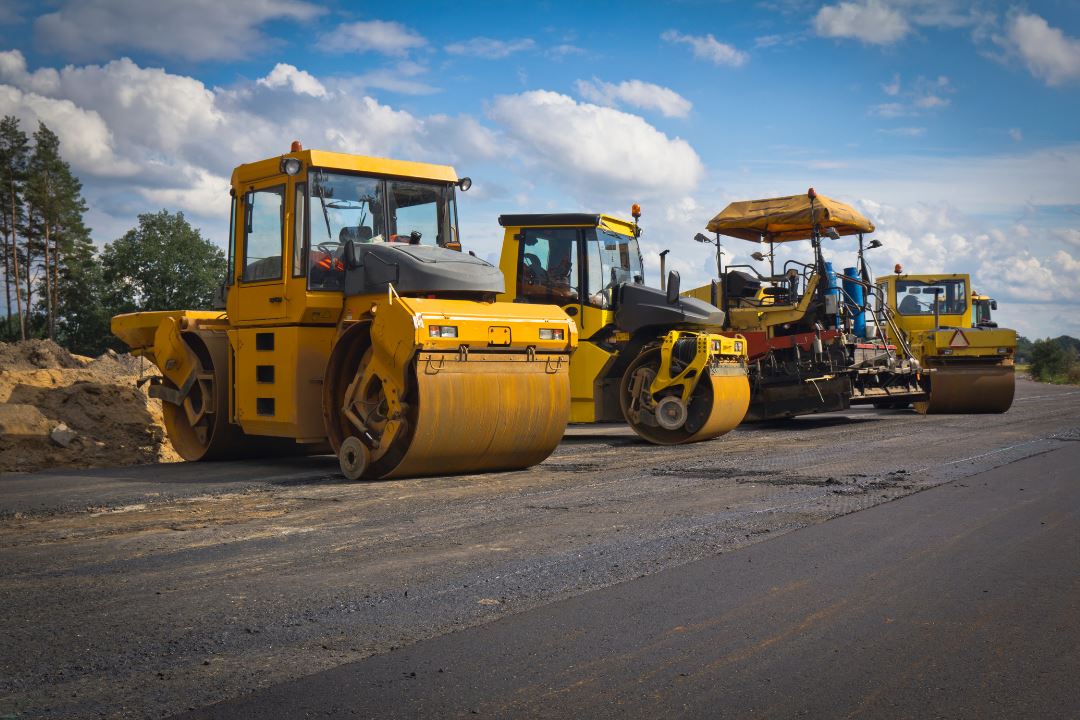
{"x": 95, "y": 413}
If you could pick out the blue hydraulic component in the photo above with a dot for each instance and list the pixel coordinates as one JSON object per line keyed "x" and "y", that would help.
{"x": 853, "y": 296}
{"x": 832, "y": 288}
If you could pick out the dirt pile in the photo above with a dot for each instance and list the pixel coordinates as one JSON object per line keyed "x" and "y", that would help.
{"x": 64, "y": 410}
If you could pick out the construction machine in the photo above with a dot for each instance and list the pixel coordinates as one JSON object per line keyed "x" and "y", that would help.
{"x": 968, "y": 361}
{"x": 810, "y": 347}
{"x": 981, "y": 306}
{"x": 645, "y": 356}
{"x": 352, "y": 320}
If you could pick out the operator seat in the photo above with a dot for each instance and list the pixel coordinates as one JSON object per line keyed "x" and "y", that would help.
{"x": 910, "y": 305}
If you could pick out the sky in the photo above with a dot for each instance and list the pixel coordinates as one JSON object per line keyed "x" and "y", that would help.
{"x": 955, "y": 127}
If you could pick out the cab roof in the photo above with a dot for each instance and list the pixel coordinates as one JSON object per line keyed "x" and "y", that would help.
{"x": 602, "y": 220}
{"x": 261, "y": 169}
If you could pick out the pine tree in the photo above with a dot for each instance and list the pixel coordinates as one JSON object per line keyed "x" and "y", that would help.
{"x": 54, "y": 196}
{"x": 14, "y": 159}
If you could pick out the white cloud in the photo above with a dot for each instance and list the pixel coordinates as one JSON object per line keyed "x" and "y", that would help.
{"x": 1048, "y": 53}
{"x": 300, "y": 81}
{"x": 1070, "y": 236}
{"x": 192, "y": 29}
{"x": 88, "y": 144}
{"x": 924, "y": 94}
{"x": 142, "y": 138}
{"x": 596, "y": 148}
{"x": 636, "y": 93}
{"x": 380, "y": 36}
{"x": 489, "y": 48}
{"x": 910, "y": 132}
{"x": 869, "y": 21}
{"x": 1016, "y": 134}
{"x": 891, "y": 110}
{"x": 708, "y": 48}
{"x": 561, "y": 52}
{"x": 892, "y": 88}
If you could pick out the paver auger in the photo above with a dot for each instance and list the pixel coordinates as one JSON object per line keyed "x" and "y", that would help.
{"x": 352, "y": 319}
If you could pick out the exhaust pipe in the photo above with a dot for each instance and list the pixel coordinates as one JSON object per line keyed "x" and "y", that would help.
{"x": 663, "y": 265}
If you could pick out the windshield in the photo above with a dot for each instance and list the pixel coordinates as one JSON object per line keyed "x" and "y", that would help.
{"x": 916, "y": 297}
{"x": 982, "y": 312}
{"x": 362, "y": 209}
{"x": 612, "y": 259}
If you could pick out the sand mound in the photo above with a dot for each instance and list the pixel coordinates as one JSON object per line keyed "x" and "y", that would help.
{"x": 34, "y": 354}
{"x": 94, "y": 413}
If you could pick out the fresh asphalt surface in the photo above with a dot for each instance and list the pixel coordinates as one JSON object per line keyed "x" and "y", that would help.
{"x": 961, "y": 601}
{"x": 615, "y": 578}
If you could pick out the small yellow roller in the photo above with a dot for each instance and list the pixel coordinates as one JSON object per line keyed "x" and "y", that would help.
{"x": 647, "y": 356}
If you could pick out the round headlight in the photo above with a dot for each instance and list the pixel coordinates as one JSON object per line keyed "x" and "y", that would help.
{"x": 464, "y": 183}
{"x": 290, "y": 166}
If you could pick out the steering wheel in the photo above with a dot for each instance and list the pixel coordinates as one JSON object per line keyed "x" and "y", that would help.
{"x": 534, "y": 269}
{"x": 329, "y": 247}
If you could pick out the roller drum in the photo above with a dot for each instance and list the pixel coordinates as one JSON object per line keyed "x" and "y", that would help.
{"x": 969, "y": 390}
{"x": 718, "y": 403}
{"x": 488, "y": 412}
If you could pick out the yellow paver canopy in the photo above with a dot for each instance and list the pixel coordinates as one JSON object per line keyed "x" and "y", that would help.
{"x": 788, "y": 218}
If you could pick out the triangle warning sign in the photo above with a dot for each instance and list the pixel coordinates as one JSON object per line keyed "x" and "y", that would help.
{"x": 958, "y": 340}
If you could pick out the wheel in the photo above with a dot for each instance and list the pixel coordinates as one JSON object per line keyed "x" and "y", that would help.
{"x": 717, "y": 405}
{"x": 353, "y": 457}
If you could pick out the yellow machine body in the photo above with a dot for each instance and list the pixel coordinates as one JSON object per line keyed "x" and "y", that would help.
{"x": 428, "y": 381}
{"x": 971, "y": 369}
{"x": 610, "y": 358}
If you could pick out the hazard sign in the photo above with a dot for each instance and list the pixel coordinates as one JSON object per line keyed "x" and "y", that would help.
{"x": 958, "y": 340}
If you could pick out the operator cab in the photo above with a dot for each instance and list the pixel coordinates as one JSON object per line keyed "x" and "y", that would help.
{"x": 574, "y": 260}
{"x": 363, "y": 210}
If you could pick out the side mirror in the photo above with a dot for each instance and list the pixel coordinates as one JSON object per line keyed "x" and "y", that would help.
{"x": 993, "y": 304}
{"x": 349, "y": 253}
{"x": 673, "y": 287}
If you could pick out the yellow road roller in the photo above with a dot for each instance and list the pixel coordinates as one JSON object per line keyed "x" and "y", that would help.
{"x": 970, "y": 365}
{"x": 646, "y": 356}
{"x": 351, "y": 319}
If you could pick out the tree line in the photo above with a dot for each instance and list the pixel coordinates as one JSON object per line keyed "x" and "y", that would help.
{"x": 57, "y": 284}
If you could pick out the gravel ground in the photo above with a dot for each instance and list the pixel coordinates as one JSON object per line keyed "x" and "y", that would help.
{"x": 157, "y": 590}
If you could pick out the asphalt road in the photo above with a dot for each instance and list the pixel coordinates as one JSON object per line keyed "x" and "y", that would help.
{"x": 143, "y": 592}
{"x": 960, "y": 602}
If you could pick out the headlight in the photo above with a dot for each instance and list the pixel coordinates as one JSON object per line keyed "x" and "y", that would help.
{"x": 290, "y": 166}
{"x": 446, "y": 331}
{"x": 552, "y": 333}
{"x": 1002, "y": 351}
{"x": 947, "y": 351}
{"x": 738, "y": 346}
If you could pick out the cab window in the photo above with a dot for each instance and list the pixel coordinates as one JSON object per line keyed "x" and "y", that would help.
{"x": 343, "y": 208}
{"x": 230, "y": 275}
{"x": 548, "y": 264}
{"x": 612, "y": 259}
{"x": 916, "y": 297}
{"x": 299, "y": 226}
{"x": 265, "y": 213}
{"x": 419, "y": 212}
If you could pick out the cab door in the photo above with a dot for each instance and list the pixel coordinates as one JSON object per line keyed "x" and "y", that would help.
{"x": 548, "y": 262}
{"x": 261, "y": 255}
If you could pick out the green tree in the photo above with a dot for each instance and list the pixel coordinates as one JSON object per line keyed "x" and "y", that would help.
{"x": 14, "y": 159}
{"x": 163, "y": 264}
{"x": 1050, "y": 360}
{"x": 55, "y": 229}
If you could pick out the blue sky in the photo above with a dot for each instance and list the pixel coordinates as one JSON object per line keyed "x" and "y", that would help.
{"x": 952, "y": 125}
